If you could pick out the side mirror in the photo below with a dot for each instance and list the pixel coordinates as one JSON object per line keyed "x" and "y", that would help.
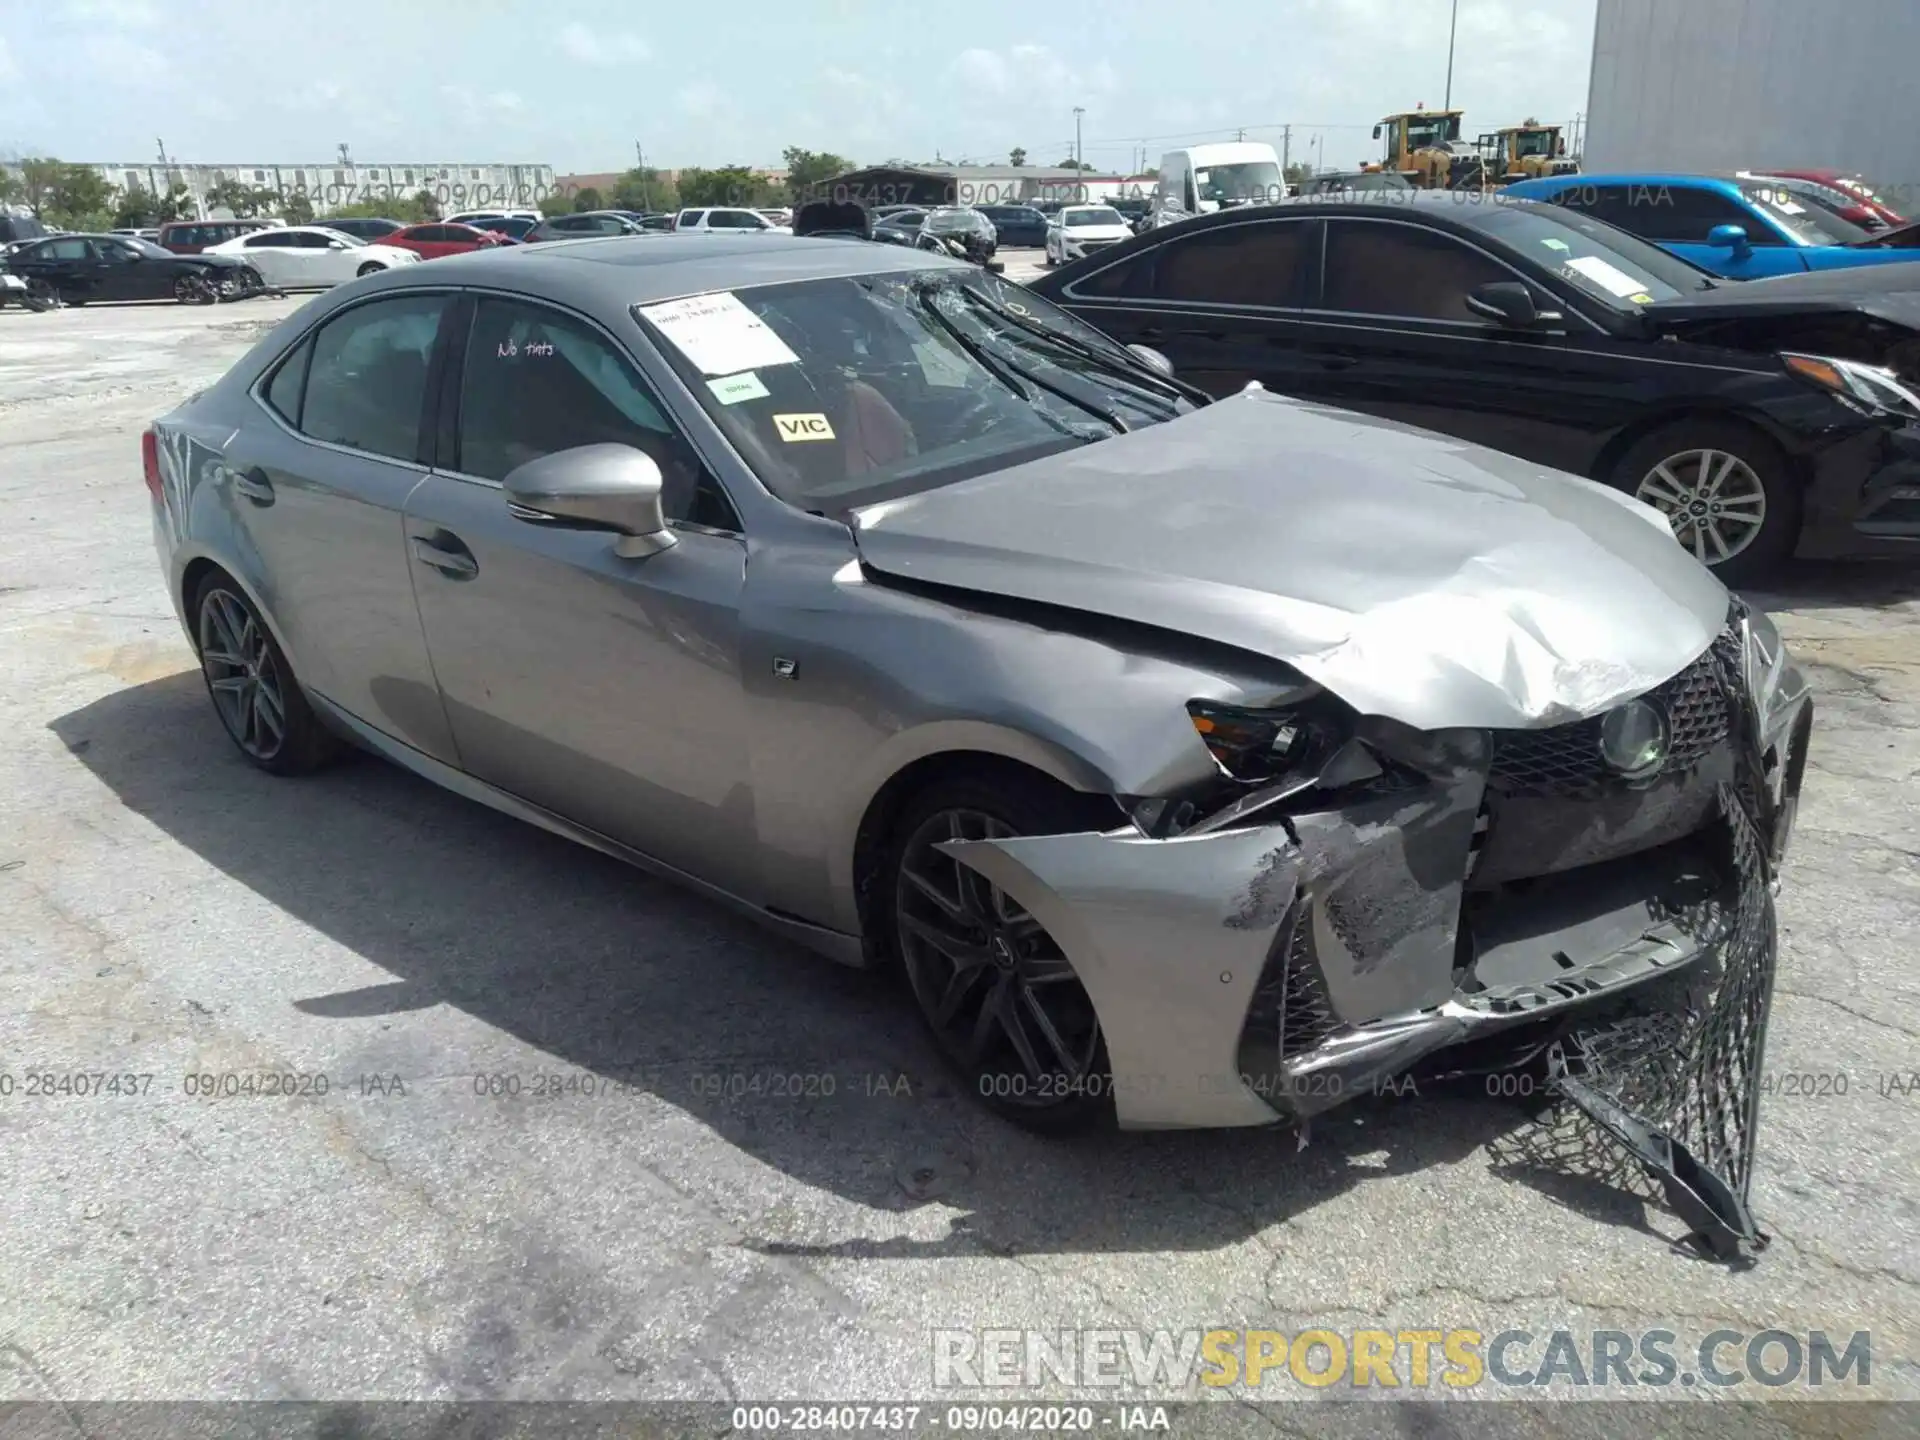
{"x": 1376, "y": 132}
{"x": 595, "y": 487}
{"x": 1507, "y": 302}
{"x": 1728, "y": 237}
{"x": 337, "y": 245}
{"x": 1152, "y": 358}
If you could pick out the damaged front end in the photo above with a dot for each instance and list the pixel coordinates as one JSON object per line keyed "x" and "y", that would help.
{"x": 1358, "y": 900}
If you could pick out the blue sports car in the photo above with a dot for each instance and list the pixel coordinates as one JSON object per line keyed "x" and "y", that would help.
{"x": 1740, "y": 228}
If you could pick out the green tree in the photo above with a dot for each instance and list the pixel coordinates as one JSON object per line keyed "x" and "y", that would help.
{"x": 39, "y": 180}
{"x": 426, "y": 204}
{"x": 244, "y": 201}
{"x": 11, "y": 190}
{"x": 1016, "y": 156}
{"x": 407, "y": 209}
{"x": 80, "y": 199}
{"x": 643, "y": 188}
{"x": 556, "y": 202}
{"x": 728, "y": 185}
{"x": 1072, "y": 164}
{"x": 808, "y": 168}
{"x": 1298, "y": 173}
{"x": 588, "y": 198}
{"x": 296, "y": 207}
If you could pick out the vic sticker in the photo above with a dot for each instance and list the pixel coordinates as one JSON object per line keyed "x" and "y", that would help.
{"x": 802, "y": 427}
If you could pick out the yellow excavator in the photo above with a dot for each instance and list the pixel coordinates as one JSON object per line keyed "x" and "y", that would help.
{"x": 1524, "y": 151}
{"x": 1425, "y": 146}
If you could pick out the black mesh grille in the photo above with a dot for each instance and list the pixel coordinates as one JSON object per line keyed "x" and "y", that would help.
{"x": 1565, "y": 761}
{"x": 1306, "y": 1014}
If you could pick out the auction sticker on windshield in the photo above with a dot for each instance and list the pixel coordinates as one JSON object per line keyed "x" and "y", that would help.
{"x": 732, "y": 389}
{"x": 1609, "y": 278}
{"x": 719, "y": 334}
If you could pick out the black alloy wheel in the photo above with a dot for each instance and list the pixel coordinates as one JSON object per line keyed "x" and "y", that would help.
{"x": 999, "y": 996}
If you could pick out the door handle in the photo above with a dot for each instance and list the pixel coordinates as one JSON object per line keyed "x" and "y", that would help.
{"x": 459, "y": 563}
{"x": 254, "y": 485}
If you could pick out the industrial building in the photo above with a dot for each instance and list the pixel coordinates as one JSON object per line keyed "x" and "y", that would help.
{"x": 330, "y": 184}
{"x": 1723, "y": 85}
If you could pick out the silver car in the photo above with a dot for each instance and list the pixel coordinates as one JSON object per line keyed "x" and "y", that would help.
{"x": 1199, "y": 764}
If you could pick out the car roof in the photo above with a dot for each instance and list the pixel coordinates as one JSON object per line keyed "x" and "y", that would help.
{"x": 620, "y": 270}
{"x": 1651, "y": 179}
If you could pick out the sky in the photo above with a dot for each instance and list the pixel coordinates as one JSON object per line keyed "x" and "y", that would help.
{"x": 576, "y": 83}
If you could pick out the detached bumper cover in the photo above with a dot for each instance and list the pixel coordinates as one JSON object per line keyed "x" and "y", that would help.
{"x": 1268, "y": 972}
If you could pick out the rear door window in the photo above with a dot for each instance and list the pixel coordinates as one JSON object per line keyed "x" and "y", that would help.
{"x": 1256, "y": 264}
{"x": 367, "y": 379}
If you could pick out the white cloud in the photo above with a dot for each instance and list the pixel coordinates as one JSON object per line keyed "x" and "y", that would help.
{"x": 1032, "y": 70}
{"x": 702, "y": 100}
{"x": 579, "y": 43}
{"x": 125, "y": 61}
{"x": 126, "y": 14}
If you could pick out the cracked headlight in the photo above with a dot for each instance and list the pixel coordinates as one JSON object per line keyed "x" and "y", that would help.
{"x": 1869, "y": 389}
{"x": 1256, "y": 745}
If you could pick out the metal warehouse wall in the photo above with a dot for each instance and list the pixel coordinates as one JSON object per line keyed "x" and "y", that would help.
{"x": 1695, "y": 85}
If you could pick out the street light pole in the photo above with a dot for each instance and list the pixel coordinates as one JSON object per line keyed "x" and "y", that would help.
{"x": 1453, "y": 27}
{"x": 1078, "y": 111}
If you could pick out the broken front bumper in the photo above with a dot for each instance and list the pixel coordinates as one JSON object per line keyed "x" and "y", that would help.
{"x": 1268, "y": 969}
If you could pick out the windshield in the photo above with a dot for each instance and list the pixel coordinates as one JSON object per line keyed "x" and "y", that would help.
{"x": 1533, "y": 142}
{"x": 1099, "y": 216}
{"x": 1806, "y": 224}
{"x": 1257, "y": 180}
{"x": 1609, "y": 265}
{"x": 842, "y": 392}
{"x": 1428, "y": 130}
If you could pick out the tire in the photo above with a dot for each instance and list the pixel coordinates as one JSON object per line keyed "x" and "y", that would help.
{"x": 1064, "y": 1084}
{"x": 372, "y": 267}
{"x": 248, "y": 680}
{"x": 1711, "y": 462}
{"x": 194, "y": 290}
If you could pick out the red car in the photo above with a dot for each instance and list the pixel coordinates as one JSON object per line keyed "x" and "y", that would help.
{"x": 436, "y": 238}
{"x": 1870, "y": 212}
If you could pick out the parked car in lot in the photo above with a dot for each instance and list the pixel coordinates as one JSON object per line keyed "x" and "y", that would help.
{"x": 973, "y": 230}
{"x": 1017, "y": 225}
{"x": 648, "y": 219}
{"x": 312, "y": 257}
{"x": 362, "y": 227}
{"x": 1854, "y": 186}
{"x": 512, "y": 228}
{"x": 1079, "y": 230}
{"x": 726, "y": 218}
{"x": 1174, "y": 751}
{"x": 1353, "y": 182}
{"x": 899, "y": 226}
{"x": 438, "y": 238}
{"x": 474, "y": 217}
{"x": 581, "y": 223}
{"x": 83, "y": 268}
{"x": 17, "y": 228}
{"x": 190, "y": 237}
{"x": 1829, "y": 200}
{"x": 1741, "y": 229}
{"x": 1762, "y": 420}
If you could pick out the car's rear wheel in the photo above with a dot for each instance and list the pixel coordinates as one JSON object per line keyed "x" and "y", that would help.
{"x": 1729, "y": 493}
{"x": 996, "y": 992}
{"x": 255, "y": 694}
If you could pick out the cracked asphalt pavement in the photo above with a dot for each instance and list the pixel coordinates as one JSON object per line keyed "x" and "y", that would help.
{"x": 554, "y": 1158}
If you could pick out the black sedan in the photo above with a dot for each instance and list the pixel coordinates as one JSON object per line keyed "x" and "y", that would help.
{"x": 1766, "y": 419}
{"x": 898, "y": 227}
{"x": 579, "y": 225}
{"x": 80, "y": 268}
{"x": 1018, "y": 225}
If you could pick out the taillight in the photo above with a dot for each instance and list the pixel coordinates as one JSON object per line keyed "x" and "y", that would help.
{"x": 150, "y": 461}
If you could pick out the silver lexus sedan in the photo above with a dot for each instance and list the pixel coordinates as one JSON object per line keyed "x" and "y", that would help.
{"x": 1199, "y": 764}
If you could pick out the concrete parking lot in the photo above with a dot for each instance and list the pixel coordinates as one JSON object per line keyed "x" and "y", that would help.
{"x": 527, "y": 1177}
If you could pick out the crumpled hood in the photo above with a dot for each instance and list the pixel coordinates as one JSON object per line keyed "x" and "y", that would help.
{"x": 1421, "y": 578}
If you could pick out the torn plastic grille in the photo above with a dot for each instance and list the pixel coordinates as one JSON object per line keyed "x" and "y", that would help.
{"x": 1291, "y": 1012}
{"x": 1565, "y": 762}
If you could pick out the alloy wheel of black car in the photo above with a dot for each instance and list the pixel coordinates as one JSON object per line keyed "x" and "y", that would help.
{"x": 259, "y": 703}
{"x": 1000, "y": 998}
{"x": 1728, "y": 494}
{"x": 193, "y": 289}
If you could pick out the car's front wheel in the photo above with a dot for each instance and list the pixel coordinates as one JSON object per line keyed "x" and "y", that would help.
{"x": 372, "y": 267}
{"x": 194, "y": 290}
{"x": 255, "y": 694}
{"x": 1729, "y": 493}
{"x": 997, "y": 993}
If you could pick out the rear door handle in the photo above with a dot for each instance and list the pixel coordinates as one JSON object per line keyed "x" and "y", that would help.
{"x": 254, "y": 485}
{"x": 459, "y": 563}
